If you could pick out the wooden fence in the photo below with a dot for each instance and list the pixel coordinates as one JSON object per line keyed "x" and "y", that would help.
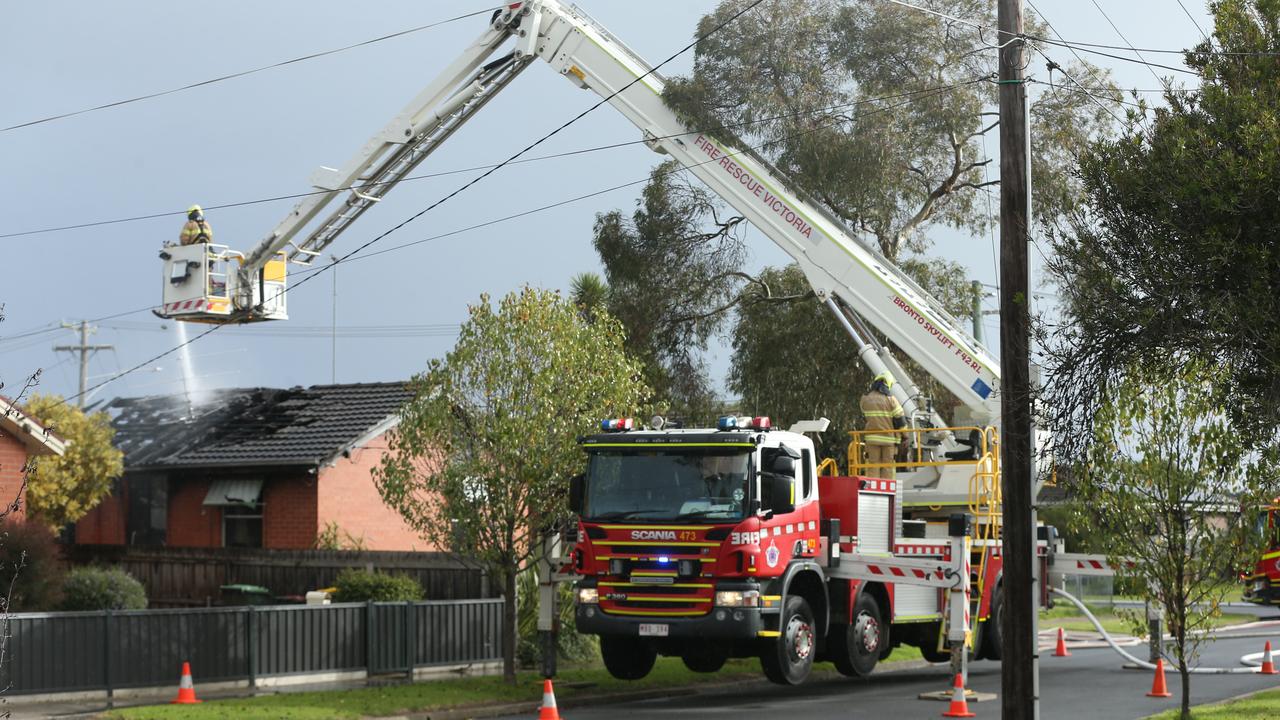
{"x": 185, "y": 577}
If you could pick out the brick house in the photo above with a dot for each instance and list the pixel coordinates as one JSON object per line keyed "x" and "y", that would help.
{"x": 21, "y": 438}
{"x": 251, "y": 468}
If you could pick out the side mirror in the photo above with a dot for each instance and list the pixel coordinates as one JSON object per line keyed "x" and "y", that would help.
{"x": 782, "y": 493}
{"x": 577, "y": 491}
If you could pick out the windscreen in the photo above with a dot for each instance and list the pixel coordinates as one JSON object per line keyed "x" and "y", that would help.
{"x": 646, "y": 483}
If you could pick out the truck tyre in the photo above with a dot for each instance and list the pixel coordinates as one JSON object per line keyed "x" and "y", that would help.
{"x": 857, "y": 647}
{"x": 627, "y": 658}
{"x": 705, "y": 658}
{"x": 990, "y": 649}
{"x": 788, "y": 659}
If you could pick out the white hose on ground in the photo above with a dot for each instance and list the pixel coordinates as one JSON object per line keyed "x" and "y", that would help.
{"x": 1143, "y": 663}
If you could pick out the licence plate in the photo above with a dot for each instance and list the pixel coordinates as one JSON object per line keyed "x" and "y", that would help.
{"x": 654, "y": 630}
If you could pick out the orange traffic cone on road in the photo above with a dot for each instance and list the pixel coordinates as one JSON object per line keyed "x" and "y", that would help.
{"x": 959, "y": 706}
{"x": 1061, "y": 650}
{"x": 548, "y": 711}
{"x": 186, "y": 689}
{"x": 1268, "y": 666}
{"x": 1158, "y": 688}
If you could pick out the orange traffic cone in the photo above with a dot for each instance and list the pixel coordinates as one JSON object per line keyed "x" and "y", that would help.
{"x": 548, "y": 710}
{"x": 1061, "y": 650}
{"x": 959, "y": 706}
{"x": 1158, "y": 688}
{"x": 1268, "y": 666}
{"x": 186, "y": 689}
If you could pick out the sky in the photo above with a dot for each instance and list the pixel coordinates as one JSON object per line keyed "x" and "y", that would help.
{"x": 262, "y": 135}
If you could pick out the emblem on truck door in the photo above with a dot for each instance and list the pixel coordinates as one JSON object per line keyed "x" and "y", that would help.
{"x": 771, "y": 555}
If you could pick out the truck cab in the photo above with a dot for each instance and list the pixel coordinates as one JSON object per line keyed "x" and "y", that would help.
{"x": 688, "y": 540}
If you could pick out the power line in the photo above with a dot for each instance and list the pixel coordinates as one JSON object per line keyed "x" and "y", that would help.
{"x": 476, "y": 168}
{"x": 461, "y": 189}
{"x": 1126, "y": 42}
{"x": 1195, "y": 22}
{"x": 242, "y": 73}
{"x": 906, "y": 98}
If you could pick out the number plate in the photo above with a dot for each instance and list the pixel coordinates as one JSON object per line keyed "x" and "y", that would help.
{"x": 654, "y": 630}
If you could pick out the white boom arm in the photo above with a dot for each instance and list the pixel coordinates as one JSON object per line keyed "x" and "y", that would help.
{"x": 855, "y": 281}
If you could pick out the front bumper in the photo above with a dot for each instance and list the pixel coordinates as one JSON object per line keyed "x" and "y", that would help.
{"x": 1262, "y": 592}
{"x": 721, "y": 622}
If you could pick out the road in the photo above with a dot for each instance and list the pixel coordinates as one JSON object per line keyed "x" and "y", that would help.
{"x": 1089, "y": 684}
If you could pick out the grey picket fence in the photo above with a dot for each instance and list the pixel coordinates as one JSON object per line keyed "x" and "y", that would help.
{"x": 77, "y": 651}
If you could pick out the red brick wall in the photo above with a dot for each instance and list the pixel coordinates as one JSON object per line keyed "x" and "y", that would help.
{"x": 105, "y": 523}
{"x": 191, "y": 524}
{"x": 349, "y": 497}
{"x": 289, "y": 516}
{"x": 13, "y": 457}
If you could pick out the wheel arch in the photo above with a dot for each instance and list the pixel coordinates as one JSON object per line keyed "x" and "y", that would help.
{"x": 808, "y": 581}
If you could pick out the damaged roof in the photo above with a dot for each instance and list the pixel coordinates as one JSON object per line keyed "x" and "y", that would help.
{"x": 252, "y": 426}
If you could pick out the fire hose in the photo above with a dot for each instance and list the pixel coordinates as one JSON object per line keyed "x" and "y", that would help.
{"x": 1142, "y": 663}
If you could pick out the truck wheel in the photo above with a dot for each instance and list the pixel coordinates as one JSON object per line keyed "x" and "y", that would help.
{"x": 990, "y": 648}
{"x": 704, "y": 658}
{"x": 627, "y": 658}
{"x": 788, "y": 659}
{"x": 857, "y": 647}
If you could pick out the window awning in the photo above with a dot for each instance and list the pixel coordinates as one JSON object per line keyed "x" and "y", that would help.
{"x": 234, "y": 492}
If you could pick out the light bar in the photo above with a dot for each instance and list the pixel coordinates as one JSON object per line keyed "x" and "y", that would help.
{"x": 618, "y": 425}
{"x": 745, "y": 422}
{"x": 727, "y": 422}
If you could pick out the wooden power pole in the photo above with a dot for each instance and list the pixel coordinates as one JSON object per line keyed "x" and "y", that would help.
{"x": 1019, "y": 671}
{"x": 85, "y": 350}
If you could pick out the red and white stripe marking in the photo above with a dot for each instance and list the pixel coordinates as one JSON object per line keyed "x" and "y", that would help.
{"x": 877, "y": 485}
{"x": 192, "y": 305}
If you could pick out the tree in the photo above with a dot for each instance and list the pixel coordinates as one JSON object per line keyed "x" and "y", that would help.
{"x": 481, "y": 458}
{"x": 1164, "y": 487}
{"x": 793, "y": 361}
{"x": 1173, "y": 257}
{"x": 60, "y": 490}
{"x": 590, "y": 293}
{"x": 673, "y": 270}
{"x": 799, "y": 81}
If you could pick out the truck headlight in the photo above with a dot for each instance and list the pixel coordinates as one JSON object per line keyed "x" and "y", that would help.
{"x": 738, "y": 598}
{"x": 588, "y": 596}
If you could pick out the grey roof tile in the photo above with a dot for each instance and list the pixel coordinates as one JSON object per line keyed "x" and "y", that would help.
{"x": 250, "y": 426}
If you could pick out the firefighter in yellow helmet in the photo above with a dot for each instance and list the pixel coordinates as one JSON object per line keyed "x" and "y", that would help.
{"x": 884, "y": 414}
{"x": 196, "y": 230}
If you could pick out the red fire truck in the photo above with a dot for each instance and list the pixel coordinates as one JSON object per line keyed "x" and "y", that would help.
{"x": 1262, "y": 586}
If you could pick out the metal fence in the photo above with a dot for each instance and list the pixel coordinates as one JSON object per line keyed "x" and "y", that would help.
{"x": 74, "y": 651}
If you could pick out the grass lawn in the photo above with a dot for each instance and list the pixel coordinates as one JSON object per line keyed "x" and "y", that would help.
{"x": 1263, "y": 706}
{"x": 437, "y": 694}
{"x": 1068, "y": 617}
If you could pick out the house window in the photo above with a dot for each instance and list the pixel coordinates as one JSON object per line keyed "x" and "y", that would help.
{"x": 242, "y": 526}
{"x": 241, "y": 503}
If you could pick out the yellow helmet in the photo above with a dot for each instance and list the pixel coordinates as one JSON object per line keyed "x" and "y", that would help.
{"x": 194, "y": 209}
{"x": 886, "y": 378}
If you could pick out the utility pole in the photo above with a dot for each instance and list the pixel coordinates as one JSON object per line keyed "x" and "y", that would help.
{"x": 85, "y": 350}
{"x": 1019, "y": 670}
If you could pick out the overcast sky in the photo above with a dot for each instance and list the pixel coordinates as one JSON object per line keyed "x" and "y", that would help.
{"x": 262, "y": 135}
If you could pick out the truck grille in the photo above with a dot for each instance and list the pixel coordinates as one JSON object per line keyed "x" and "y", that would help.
{"x": 624, "y": 597}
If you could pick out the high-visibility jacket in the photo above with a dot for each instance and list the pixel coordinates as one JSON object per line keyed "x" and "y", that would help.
{"x": 195, "y": 231}
{"x": 883, "y": 412}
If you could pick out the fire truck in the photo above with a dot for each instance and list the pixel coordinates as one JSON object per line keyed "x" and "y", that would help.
{"x": 730, "y": 540}
{"x": 1262, "y": 586}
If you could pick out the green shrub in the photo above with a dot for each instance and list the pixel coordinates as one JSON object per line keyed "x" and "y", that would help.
{"x": 29, "y": 564}
{"x": 362, "y": 585}
{"x": 93, "y": 588}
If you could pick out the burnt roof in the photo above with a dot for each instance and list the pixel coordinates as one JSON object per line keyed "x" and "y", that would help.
{"x": 248, "y": 427}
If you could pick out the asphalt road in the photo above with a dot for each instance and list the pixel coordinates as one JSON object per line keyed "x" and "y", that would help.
{"x": 1089, "y": 684}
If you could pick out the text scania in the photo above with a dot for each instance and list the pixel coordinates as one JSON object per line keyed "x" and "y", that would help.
{"x": 753, "y": 186}
{"x": 653, "y": 534}
{"x": 937, "y": 333}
